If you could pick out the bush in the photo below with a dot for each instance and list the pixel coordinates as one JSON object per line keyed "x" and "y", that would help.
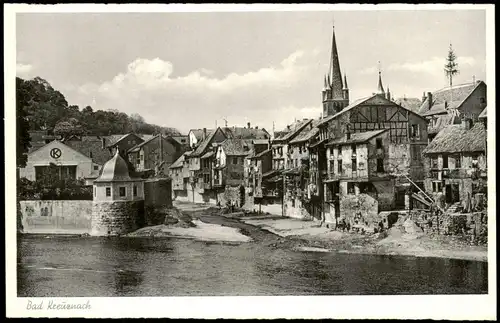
{"x": 68, "y": 189}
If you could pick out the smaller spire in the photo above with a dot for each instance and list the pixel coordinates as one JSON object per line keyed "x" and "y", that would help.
{"x": 345, "y": 81}
{"x": 329, "y": 82}
{"x": 380, "y": 89}
{"x": 325, "y": 85}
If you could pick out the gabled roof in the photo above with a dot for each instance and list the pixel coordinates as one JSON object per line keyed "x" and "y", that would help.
{"x": 456, "y": 138}
{"x": 111, "y": 140}
{"x": 139, "y": 146}
{"x": 179, "y": 162}
{"x": 200, "y": 149}
{"x": 357, "y": 137}
{"x": 359, "y": 102}
{"x": 307, "y": 133}
{"x": 245, "y": 133}
{"x": 92, "y": 148}
{"x": 454, "y": 97}
{"x": 198, "y": 133}
{"x": 208, "y": 154}
{"x": 295, "y": 129}
{"x": 237, "y": 147}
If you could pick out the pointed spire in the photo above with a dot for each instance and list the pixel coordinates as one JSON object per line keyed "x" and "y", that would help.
{"x": 345, "y": 81}
{"x": 328, "y": 81}
{"x": 380, "y": 88}
{"x": 325, "y": 84}
{"x": 335, "y": 77}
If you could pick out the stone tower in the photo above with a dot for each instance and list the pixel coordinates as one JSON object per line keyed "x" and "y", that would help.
{"x": 118, "y": 206}
{"x": 335, "y": 94}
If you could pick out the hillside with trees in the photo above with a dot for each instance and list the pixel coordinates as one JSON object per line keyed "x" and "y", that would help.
{"x": 45, "y": 108}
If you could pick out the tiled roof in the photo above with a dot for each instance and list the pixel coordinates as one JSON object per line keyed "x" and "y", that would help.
{"x": 237, "y": 147}
{"x": 179, "y": 162}
{"x": 138, "y": 146}
{"x": 198, "y": 133}
{"x": 307, "y": 133}
{"x": 145, "y": 136}
{"x": 349, "y": 107}
{"x": 115, "y": 169}
{"x": 454, "y": 98}
{"x": 271, "y": 172}
{"x": 412, "y": 104}
{"x": 35, "y": 146}
{"x": 261, "y": 141}
{"x": 200, "y": 149}
{"x": 357, "y": 137}
{"x": 442, "y": 122}
{"x": 295, "y": 129}
{"x": 113, "y": 139}
{"x": 183, "y": 140}
{"x": 456, "y": 138}
{"x": 245, "y": 133}
{"x": 92, "y": 148}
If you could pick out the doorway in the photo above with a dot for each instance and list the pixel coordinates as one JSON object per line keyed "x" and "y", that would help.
{"x": 452, "y": 193}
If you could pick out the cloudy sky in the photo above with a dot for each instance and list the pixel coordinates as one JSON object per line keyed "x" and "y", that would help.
{"x": 191, "y": 70}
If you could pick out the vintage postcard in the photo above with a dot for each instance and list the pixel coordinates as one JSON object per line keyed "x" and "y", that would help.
{"x": 250, "y": 161}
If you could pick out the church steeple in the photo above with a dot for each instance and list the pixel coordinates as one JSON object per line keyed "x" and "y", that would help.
{"x": 336, "y": 97}
{"x": 380, "y": 87}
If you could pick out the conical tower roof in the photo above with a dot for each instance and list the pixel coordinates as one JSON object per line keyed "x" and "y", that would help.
{"x": 335, "y": 77}
{"x": 380, "y": 88}
{"x": 115, "y": 170}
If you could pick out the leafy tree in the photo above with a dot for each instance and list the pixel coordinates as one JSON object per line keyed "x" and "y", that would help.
{"x": 68, "y": 127}
{"x": 22, "y": 125}
{"x": 451, "y": 66}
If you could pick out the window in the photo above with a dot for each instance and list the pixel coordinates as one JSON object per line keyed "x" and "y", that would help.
{"x": 90, "y": 154}
{"x": 474, "y": 162}
{"x": 379, "y": 143}
{"x": 96, "y": 167}
{"x": 434, "y": 162}
{"x": 437, "y": 187}
{"x": 123, "y": 191}
{"x": 95, "y": 191}
{"x": 235, "y": 160}
{"x": 339, "y": 152}
{"x": 380, "y": 165}
{"x": 354, "y": 164}
{"x": 142, "y": 157}
{"x": 332, "y": 166}
{"x": 458, "y": 162}
{"x": 135, "y": 190}
{"x": 353, "y": 149}
{"x": 415, "y": 130}
{"x": 339, "y": 166}
{"x": 108, "y": 191}
{"x": 350, "y": 188}
{"x": 445, "y": 161}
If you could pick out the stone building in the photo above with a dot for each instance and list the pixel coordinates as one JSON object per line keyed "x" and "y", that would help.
{"x": 448, "y": 105}
{"x": 118, "y": 199}
{"x": 360, "y": 178}
{"x": 149, "y": 154}
{"x": 456, "y": 162}
{"x": 179, "y": 173}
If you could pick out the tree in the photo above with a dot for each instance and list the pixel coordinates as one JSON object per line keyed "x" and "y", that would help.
{"x": 451, "y": 66}
{"x": 22, "y": 125}
{"x": 68, "y": 127}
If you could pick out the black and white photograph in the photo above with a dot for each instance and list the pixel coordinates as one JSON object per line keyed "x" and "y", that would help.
{"x": 172, "y": 156}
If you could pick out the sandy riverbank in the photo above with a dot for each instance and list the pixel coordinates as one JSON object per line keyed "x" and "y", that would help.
{"x": 201, "y": 231}
{"x": 319, "y": 239}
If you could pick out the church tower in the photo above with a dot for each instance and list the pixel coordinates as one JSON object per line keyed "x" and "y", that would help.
{"x": 335, "y": 93}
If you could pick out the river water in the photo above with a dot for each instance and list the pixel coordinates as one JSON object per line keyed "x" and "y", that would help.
{"x": 69, "y": 266}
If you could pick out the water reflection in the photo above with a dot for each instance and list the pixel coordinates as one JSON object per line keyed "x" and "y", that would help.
{"x": 179, "y": 267}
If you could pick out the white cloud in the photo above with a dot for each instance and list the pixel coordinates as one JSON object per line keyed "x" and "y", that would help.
{"x": 198, "y": 98}
{"x": 23, "y": 69}
{"x": 434, "y": 65}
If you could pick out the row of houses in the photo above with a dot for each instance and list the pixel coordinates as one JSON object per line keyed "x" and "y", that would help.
{"x": 82, "y": 157}
{"x": 360, "y": 158}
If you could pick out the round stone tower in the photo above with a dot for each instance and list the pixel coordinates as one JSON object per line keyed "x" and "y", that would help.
{"x": 118, "y": 206}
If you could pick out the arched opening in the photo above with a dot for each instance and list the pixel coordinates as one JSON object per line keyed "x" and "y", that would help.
{"x": 242, "y": 196}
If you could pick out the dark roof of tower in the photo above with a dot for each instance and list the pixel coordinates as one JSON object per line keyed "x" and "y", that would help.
{"x": 116, "y": 170}
{"x": 335, "y": 77}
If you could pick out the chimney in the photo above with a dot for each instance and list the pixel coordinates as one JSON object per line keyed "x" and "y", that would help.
{"x": 423, "y": 97}
{"x": 204, "y": 133}
{"x": 446, "y": 104}
{"x": 288, "y": 127}
{"x": 256, "y": 127}
{"x": 103, "y": 141}
{"x": 429, "y": 100}
{"x": 466, "y": 123}
{"x": 248, "y": 124}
